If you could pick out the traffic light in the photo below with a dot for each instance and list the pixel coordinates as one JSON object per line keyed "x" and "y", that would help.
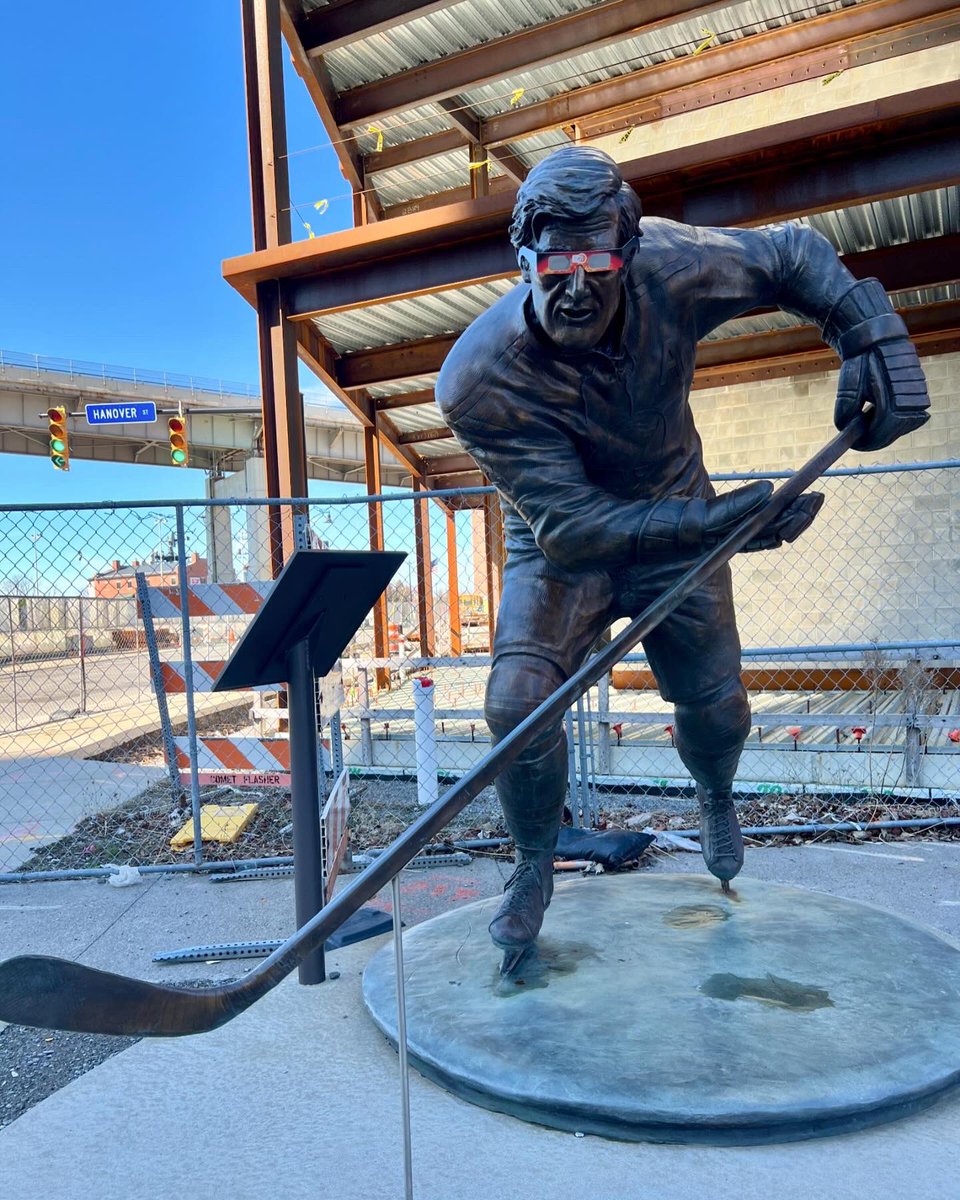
{"x": 59, "y": 438}
{"x": 179, "y": 451}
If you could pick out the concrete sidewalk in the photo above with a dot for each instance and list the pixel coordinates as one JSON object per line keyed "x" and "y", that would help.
{"x": 299, "y": 1096}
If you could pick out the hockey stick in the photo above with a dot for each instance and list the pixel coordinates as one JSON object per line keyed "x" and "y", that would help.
{"x": 54, "y": 993}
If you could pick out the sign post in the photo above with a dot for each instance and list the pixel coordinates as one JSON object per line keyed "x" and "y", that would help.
{"x": 312, "y": 611}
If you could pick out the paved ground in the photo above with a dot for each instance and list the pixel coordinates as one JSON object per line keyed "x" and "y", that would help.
{"x": 33, "y": 692}
{"x": 41, "y": 799}
{"x": 299, "y": 1097}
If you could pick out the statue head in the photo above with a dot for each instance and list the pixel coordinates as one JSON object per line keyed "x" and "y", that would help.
{"x": 574, "y": 228}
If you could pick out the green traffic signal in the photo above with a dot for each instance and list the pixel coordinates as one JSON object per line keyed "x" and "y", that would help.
{"x": 59, "y": 437}
{"x": 178, "y": 456}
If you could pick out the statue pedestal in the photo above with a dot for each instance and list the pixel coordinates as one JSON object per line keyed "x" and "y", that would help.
{"x": 657, "y": 1009}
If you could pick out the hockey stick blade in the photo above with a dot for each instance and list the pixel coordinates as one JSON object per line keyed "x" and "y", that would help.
{"x": 54, "y": 993}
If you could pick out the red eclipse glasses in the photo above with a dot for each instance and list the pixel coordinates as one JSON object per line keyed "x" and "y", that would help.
{"x": 565, "y": 262}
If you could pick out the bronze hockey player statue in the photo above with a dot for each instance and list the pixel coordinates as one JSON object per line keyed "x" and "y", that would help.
{"x": 572, "y": 394}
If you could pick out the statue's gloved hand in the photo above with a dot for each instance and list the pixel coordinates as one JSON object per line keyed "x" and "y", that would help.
{"x": 681, "y": 525}
{"x": 795, "y": 519}
{"x": 879, "y": 366}
{"x": 889, "y": 376}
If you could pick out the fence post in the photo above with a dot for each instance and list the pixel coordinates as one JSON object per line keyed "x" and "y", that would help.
{"x": 83, "y": 656}
{"x": 188, "y": 673}
{"x": 13, "y": 664}
{"x": 153, "y": 653}
{"x": 366, "y": 731}
{"x": 572, "y": 769}
{"x": 585, "y": 802}
{"x": 603, "y": 725}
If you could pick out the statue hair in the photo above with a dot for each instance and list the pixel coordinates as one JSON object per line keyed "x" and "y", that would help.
{"x": 572, "y": 182}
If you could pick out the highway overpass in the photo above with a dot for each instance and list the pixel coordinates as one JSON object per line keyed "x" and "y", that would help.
{"x": 224, "y": 421}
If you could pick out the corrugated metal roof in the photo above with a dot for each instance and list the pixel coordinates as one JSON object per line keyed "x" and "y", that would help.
{"x": 407, "y": 320}
{"x": 429, "y": 175}
{"x": 675, "y": 40}
{"x": 437, "y": 35}
{"x": 476, "y": 22}
{"x": 890, "y": 222}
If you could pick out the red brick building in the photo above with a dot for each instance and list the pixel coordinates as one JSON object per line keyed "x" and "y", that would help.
{"x": 120, "y": 580}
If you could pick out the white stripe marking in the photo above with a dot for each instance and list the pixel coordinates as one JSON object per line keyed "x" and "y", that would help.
{"x": 869, "y": 853}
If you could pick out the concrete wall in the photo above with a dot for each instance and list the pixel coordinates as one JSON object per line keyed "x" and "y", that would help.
{"x": 882, "y": 561}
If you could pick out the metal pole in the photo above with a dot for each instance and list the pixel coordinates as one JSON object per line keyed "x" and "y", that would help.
{"x": 587, "y": 820}
{"x": 83, "y": 658}
{"x": 366, "y": 731}
{"x": 13, "y": 664}
{"x": 402, "y": 1041}
{"x": 305, "y": 795}
{"x": 572, "y": 768}
{"x": 156, "y": 675}
{"x": 188, "y": 672}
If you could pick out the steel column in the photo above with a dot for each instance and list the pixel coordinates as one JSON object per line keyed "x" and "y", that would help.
{"x": 453, "y": 585}
{"x": 371, "y": 455}
{"x": 425, "y": 613}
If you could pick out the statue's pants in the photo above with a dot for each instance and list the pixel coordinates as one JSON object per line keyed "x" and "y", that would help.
{"x": 549, "y": 621}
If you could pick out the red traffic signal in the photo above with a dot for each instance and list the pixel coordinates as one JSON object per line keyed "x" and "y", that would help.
{"x": 59, "y": 438}
{"x": 177, "y": 433}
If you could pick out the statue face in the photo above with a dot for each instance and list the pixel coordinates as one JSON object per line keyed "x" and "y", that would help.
{"x": 575, "y": 310}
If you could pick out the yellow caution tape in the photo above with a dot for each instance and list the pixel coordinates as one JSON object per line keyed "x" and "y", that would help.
{"x": 831, "y": 78}
{"x": 475, "y": 166}
{"x": 321, "y": 205}
{"x": 711, "y": 37}
{"x": 517, "y": 96}
{"x": 379, "y": 132}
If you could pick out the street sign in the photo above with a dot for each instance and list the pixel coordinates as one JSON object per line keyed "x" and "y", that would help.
{"x": 121, "y": 414}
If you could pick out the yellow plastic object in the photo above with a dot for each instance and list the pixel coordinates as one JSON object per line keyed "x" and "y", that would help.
{"x": 218, "y": 823}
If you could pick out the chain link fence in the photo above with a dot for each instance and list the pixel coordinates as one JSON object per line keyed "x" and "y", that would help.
{"x": 852, "y": 662}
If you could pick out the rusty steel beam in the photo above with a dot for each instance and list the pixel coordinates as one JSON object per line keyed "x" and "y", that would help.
{"x": 416, "y": 150}
{"x": 451, "y": 464}
{"x": 776, "y": 58}
{"x": 463, "y": 479}
{"x": 404, "y": 400}
{"x": 807, "y": 49}
{"x": 322, "y": 360}
{"x": 344, "y": 21}
{"x": 317, "y": 81}
{"x": 467, "y": 122}
{"x": 427, "y": 355}
{"x": 494, "y": 61}
{"x": 403, "y": 360}
{"x": 868, "y": 151}
{"x": 435, "y": 434}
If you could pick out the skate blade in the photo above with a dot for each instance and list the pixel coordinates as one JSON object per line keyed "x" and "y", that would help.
{"x": 513, "y": 958}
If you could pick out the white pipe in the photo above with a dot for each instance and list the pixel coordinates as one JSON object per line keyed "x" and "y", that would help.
{"x": 425, "y": 738}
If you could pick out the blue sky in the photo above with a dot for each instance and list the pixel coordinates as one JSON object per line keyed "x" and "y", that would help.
{"x": 125, "y": 183}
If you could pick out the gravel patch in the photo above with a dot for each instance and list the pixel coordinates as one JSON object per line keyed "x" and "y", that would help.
{"x": 35, "y": 1063}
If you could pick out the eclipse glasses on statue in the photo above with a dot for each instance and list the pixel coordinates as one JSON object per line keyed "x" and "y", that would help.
{"x": 565, "y": 262}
